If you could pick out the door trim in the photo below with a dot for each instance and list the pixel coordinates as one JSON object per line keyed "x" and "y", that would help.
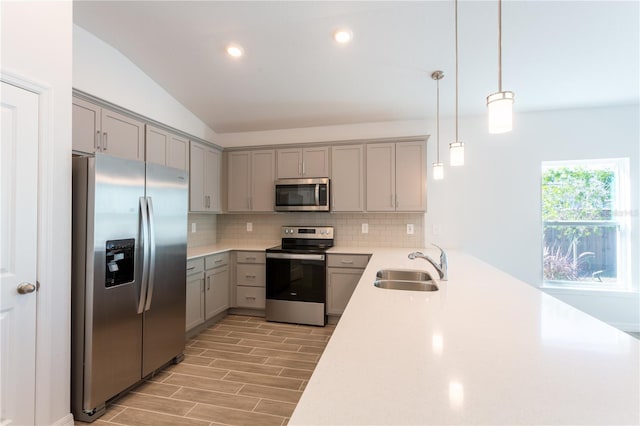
{"x": 49, "y": 252}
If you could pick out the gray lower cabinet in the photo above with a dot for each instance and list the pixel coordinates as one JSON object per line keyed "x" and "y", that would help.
{"x": 207, "y": 288}
{"x": 343, "y": 274}
{"x": 195, "y": 293}
{"x": 216, "y": 284}
{"x": 250, "y": 279}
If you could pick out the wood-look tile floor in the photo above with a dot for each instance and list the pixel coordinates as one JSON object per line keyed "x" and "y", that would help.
{"x": 240, "y": 371}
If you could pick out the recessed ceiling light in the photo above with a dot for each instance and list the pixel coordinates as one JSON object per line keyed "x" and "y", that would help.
{"x": 343, "y": 36}
{"x": 235, "y": 51}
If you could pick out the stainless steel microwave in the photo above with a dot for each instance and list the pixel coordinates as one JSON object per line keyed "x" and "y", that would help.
{"x": 302, "y": 195}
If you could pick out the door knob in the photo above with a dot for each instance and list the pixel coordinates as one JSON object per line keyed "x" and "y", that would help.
{"x": 26, "y": 288}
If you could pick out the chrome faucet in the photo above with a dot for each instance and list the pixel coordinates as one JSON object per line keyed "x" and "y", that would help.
{"x": 441, "y": 268}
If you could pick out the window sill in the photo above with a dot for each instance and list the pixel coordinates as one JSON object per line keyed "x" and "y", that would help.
{"x": 584, "y": 290}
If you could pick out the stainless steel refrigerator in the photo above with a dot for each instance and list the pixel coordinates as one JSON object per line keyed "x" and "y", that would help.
{"x": 128, "y": 276}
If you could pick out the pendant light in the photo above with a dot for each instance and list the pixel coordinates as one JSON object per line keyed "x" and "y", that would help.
{"x": 500, "y": 104}
{"x": 456, "y": 148}
{"x": 438, "y": 167}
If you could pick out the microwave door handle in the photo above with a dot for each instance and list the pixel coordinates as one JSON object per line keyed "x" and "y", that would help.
{"x": 317, "y": 194}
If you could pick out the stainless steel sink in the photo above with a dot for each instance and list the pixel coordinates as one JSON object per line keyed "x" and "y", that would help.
{"x": 405, "y": 279}
{"x": 402, "y": 275}
{"x": 406, "y": 285}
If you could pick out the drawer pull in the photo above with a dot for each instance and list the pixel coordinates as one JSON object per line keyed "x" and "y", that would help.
{"x": 249, "y": 276}
{"x": 250, "y": 298}
{"x": 191, "y": 268}
{"x": 250, "y": 258}
{"x": 346, "y": 262}
{"x": 217, "y": 260}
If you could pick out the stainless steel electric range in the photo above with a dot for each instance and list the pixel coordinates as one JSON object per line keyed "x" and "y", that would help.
{"x": 297, "y": 275}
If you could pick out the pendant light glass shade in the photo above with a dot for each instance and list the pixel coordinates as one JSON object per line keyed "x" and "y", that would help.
{"x": 500, "y": 104}
{"x": 500, "y": 107}
{"x": 438, "y": 171}
{"x": 456, "y": 153}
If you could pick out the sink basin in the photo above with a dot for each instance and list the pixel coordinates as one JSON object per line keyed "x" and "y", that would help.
{"x": 406, "y": 285}
{"x": 402, "y": 275}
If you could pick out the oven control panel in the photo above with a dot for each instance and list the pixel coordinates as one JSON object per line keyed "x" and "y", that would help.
{"x": 310, "y": 232}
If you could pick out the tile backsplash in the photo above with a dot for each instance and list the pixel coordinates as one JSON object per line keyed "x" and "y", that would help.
{"x": 205, "y": 229}
{"x": 385, "y": 229}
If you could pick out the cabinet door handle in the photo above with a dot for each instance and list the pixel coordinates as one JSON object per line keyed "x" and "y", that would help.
{"x": 208, "y": 283}
{"x": 191, "y": 268}
{"x": 106, "y": 141}
{"x": 97, "y": 141}
{"x": 250, "y": 258}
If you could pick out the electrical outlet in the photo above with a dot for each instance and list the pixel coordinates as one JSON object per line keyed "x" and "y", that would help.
{"x": 249, "y": 227}
{"x": 193, "y": 227}
{"x": 365, "y": 228}
{"x": 410, "y": 228}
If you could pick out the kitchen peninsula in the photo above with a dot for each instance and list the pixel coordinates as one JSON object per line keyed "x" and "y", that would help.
{"x": 484, "y": 349}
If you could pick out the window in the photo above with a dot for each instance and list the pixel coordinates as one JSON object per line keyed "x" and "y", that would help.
{"x": 585, "y": 223}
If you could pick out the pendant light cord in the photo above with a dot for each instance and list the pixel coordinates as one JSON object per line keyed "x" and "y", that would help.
{"x": 438, "y": 119}
{"x": 456, "y": 38}
{"x": 499, "y": 45}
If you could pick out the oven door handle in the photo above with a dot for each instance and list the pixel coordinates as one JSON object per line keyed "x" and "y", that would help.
{"x": 292, "y": 256}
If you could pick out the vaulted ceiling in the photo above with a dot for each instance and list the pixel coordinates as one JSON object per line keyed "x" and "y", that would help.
{"x": 556, "y": 54}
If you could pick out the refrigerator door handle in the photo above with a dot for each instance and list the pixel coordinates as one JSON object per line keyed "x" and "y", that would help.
{"x": 145, "y": 254}
{"x": 152, "y": 252}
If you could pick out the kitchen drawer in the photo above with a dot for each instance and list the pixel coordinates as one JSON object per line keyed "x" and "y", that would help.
{"x": 250, "y": 256}
{"x": 250, "y": 297}
{"x": 216, "y": 260}
{"x": 195, "y": 266}
{"x": 347, "y": 260}
{"x": 250, "y": 275}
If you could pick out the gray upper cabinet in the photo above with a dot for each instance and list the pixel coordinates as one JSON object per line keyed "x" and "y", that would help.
{"x": 396, "y": 179}
{"x": 204, "y": 178}
{"x": 250, "y": 180}
{"x": 166, "y": 148}
{"x": 303, "y": 162}
{"x": 122, "y": 136}
{"x": 347, "y": 178}
{"x": 87, "y": 134}
{"x": 97, "y": 129}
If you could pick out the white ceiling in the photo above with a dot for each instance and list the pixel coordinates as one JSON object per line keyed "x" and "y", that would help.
{"x": 556, "y": 54}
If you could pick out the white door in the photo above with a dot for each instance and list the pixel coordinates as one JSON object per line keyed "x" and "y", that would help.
{"x": 18, "y": 233}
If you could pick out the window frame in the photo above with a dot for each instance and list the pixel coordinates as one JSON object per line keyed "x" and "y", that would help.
{"x": 621, "y": 218}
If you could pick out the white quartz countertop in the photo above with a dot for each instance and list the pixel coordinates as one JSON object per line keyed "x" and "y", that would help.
{"x": 484, "y": 349}
{"x": 194, "y": 252}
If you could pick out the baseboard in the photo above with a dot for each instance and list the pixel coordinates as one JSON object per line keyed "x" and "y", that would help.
{"x": 208, "y": 323}
{"x": 247, "y": 311}
{"x": 65, "y": 421}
